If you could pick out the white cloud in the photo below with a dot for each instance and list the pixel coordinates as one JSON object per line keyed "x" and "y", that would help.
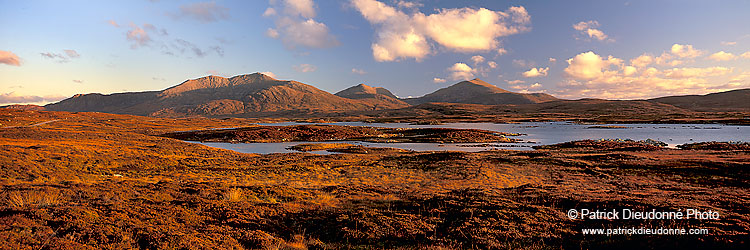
{"x": 272, "y": 33}
{"x": 685, "y": 51}
{"x": 492, "y": 64}
{"x": 304, "y": 68}
{"x": 536, "y": 72}
{"x": 400, "y": 35}
{"x": 438, "y": 80}
{"x": 477, "y": 59}
{"x": 629, "y": 70}
{"x": 501, "y": 51}
{"x": 269, "y": 12}
{"x": 515, "y": 81}
{"x": 588, "y": 65}
{"x": 728, "y": 43}
{"x": 589, "y": 28}
{"x": 408, "y": 4}
{"x": 721, "y": 56}
{"x": 269, "y": 73}
{"x": 461, "y": 71}
{"x": 745, "y": 55}
{"x": 552, "y": 60}
{"x": 9, "y": 58}
{"x": 527, "y": 89}
{"x": 308, "y": 33}
{"x": 71, "y": 53}
{"x": 642, "y": 61}
{"x": 303, "y": 8}
{"x": 590, "y": 75}
{"x": 358, "y": 71}
{"x": 296, "y": 27}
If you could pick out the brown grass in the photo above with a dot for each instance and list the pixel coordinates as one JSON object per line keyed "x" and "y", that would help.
{"x": 33, "y": 199}
{"x": 234, "y": 195}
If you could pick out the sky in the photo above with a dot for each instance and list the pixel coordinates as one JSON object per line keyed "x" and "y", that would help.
{"x": 630, "y": 49}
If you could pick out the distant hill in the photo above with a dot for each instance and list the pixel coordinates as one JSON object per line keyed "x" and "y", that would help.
{"x": 733, "y": 100}
{"x": 23, "y": 107}
{"x": 261, "y": 95}
{"x": 479, "y": 92}
{"x": 219, "y": 96}
{"x": 375, "y": 95}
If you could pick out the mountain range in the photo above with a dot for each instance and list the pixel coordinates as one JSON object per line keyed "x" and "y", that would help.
{"x": 258, "y": 94}
{"x": 219, "y": 96}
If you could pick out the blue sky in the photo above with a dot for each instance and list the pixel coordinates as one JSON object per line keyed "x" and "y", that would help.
{"x": 572, "y": 49}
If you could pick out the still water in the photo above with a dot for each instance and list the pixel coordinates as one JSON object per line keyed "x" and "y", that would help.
{"x": 535, "y": 133}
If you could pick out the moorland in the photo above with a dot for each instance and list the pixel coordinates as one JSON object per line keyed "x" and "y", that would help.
{"x": 78, "y": 180}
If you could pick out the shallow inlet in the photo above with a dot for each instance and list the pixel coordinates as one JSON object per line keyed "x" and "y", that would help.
{"x": 535, "y": 133}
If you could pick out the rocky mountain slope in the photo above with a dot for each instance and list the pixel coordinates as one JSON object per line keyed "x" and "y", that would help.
{"x": 219, "y": 96}
{"x": 479, "y": 92}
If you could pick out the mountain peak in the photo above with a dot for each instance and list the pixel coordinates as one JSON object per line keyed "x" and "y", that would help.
{"x": 477, "y": 84}
{"x": 212, "y": 81}
{"x": 361, "y": 90}
{"x": 476, "y": 91}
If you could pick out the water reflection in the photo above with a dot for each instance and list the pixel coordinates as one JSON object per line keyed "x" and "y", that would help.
{"x": 536, "y": 133}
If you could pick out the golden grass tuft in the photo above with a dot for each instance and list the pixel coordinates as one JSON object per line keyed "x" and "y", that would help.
{"x": 234, "y": 195}
{"x": 33, "y": 199}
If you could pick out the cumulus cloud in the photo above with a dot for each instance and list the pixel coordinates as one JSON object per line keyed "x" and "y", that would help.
{"x": 642, "y": 61}
{"x": 269, "y": 12}
{"x": 589, "y": 28}
{"x": 588, "y": 65}
{"x": 304, "y": 8}
{"x": 527, "y": 88}
{"x": 745, "y": 55}
{"x": 296, "y": 26}
{"x": 461, "y": 71}
{"x": 685, "y": 51}
{"x": 722, "y": 56}
{"x": 477, "y": 59}
{"x": 401, "y": 35}
{"x": 515, "y": 81}
{"x": 7, "y": 57}
{"x": 492, "y": 64}
{"x": 203, "y": 11}
{"x": 358, "y": 71}
{"x": 304, "y": 68}
{"x": 536, "y": 72}
{"x": 269, "y": 73}
{"x": 12, "y": 98}
{"x": 591, "y": 75}
{"x": 438, "y": 80}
